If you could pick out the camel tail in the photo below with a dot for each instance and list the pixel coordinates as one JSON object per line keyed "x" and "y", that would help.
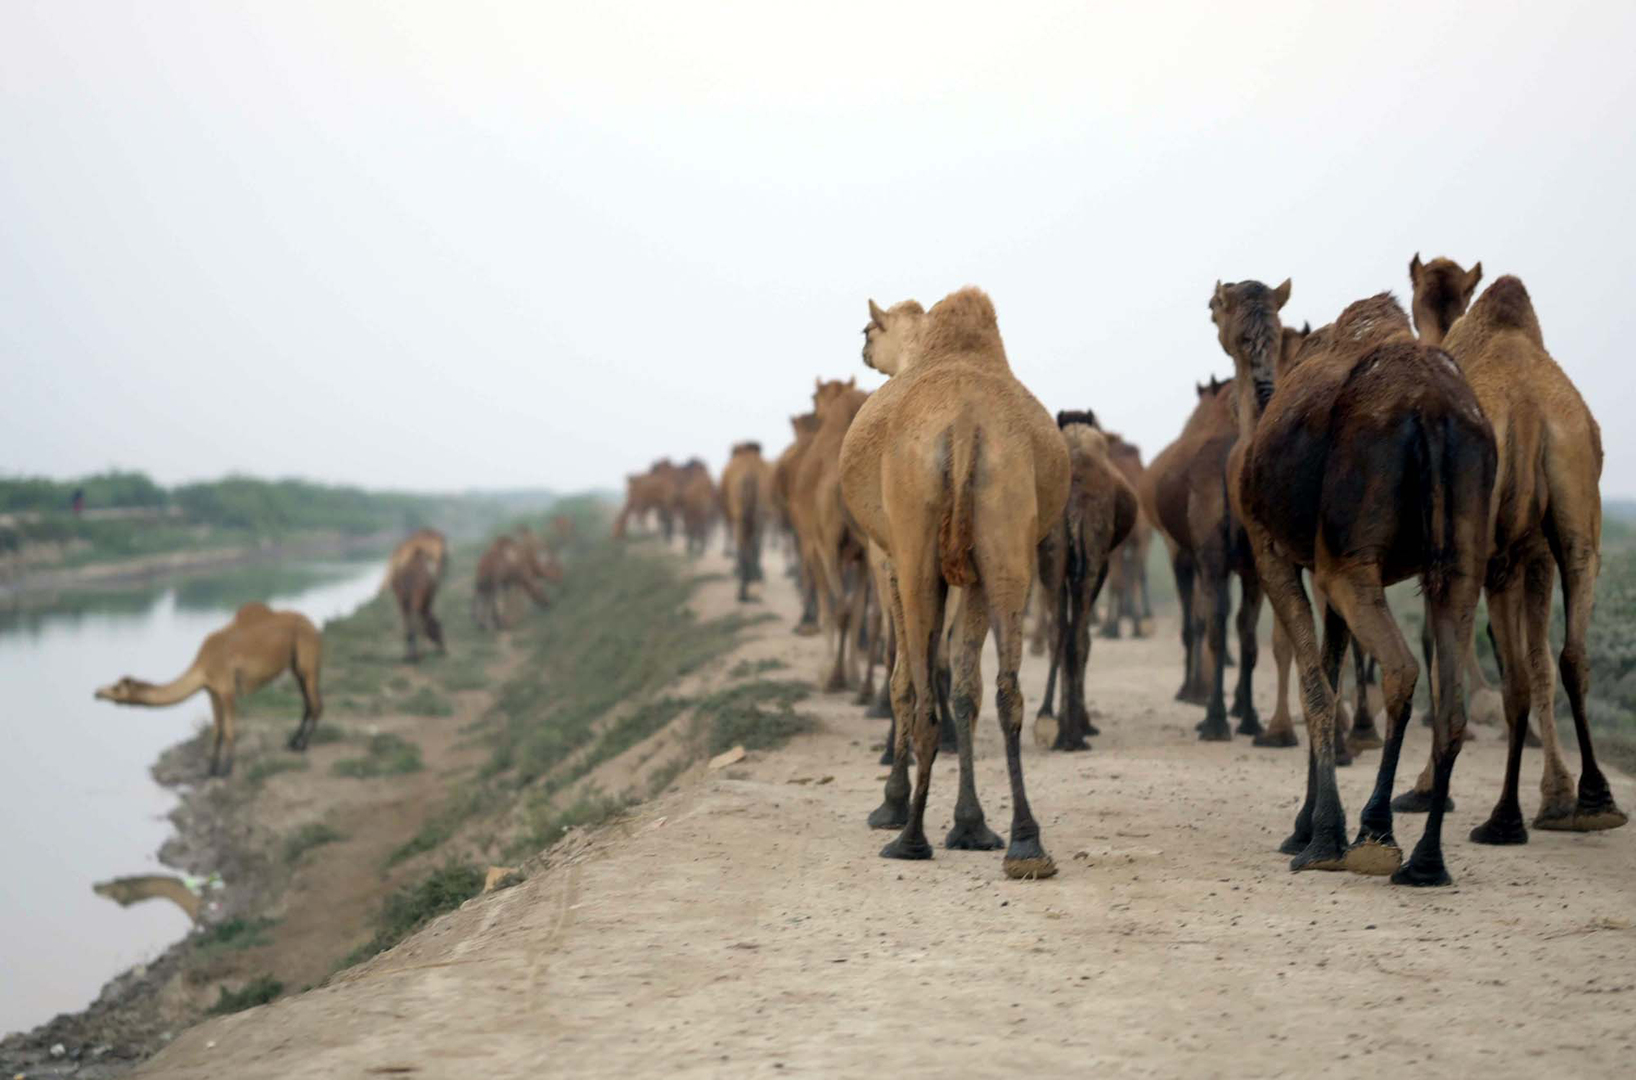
{"x": 1432, "y": 449}
{"x": 954, "y": 535}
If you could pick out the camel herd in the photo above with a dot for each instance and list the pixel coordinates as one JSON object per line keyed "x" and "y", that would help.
{"x": 1450, "y": 450}
{"x": 261, "y": 644}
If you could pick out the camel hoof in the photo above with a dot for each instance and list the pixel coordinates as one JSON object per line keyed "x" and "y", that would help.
{"x": 836, "y": 685}
{"x": 1375, "y": 857}
{"x": 1092, "y": 730}
{"x": 890, "y": 815}
{"x": 1417, "y": 802}
{"x": 1070, "y": 746}
{"x": 1045, "y": 731}
{"x": 1215, "y": 729}
{"x": 886, "y": 757}
{"x": 1026, "y": 860}
{"x": 1276, "y": 737}
{"x": 973, "y": 836}
{"x": 1320, "y": 854}
{"x": 1249, "y": 723}
{"x": 1368, "y": 739}
{"x": 1501, "y": 828}
{"x": 1194, "y": 697}
{"x": 806, "y": 629}
{"x": 1425, "y": 874}
{"x": 1343, "y": 756}
{"x": 880, "y": 711}
{"x": 902, "y": 848}
{"x": 1295, "y": 843}
{"x": 1598, "y": 820}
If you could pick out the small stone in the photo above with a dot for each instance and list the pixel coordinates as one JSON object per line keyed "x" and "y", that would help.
{"x": 58, "y": 1050}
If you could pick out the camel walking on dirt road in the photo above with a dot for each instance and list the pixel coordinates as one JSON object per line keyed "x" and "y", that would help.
{"x": 259, "y": 645}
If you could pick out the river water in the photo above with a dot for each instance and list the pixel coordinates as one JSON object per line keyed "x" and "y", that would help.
{"x": 77, "y": 803}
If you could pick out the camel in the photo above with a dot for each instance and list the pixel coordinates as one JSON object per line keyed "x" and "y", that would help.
{"x": 506, "y": 564}
{"x": 1368, "y": 463}
{"x": 1074, "y": 560}
{"x": 256, "y": 647}
{"x": 1128, "y": 596}
{"x": 696, "y": 504}
{"x": 1189, "y": 502}
{"x": 126, "y": 891}
{"x": 833, "y": 552}
{"x": 805, "y": 427}
{"x": 415, "y": 584}
{"x": 1545, "y": 518}
{"x": 958, "y": 473}
{"x": 746, "y": 491}
{"x": 651, "y": 492}
{"x": 433, "y": 544}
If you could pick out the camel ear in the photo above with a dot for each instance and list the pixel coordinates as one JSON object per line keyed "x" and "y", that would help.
{"x": 1280, "y": 295}
{"x": 1473, "y": 276}
{"x": 876, "y": 315}
{"x": 1414, "y": 270}
{"x": 1218, "y": 299}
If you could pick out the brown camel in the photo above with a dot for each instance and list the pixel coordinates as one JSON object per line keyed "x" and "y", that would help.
{"x": 509, "y": 563}
{"x": 1369, "y": 463}
{"x": 1545, "y": 518}
{"x": 805, "y": 427}
{"x": 415, "y": 584}
{"x": 696, "y": 504}
{"x": 433, "y": 544}
{"x": 651, "y": 492}
{"x": 958, "y": 473}
{"x": 256, "y": 647}
{"x": 1074, "y": 560}
{"x": 1128, "y": 596}
{"x": 746, "y": 491}
{"x": 833, "y": 552}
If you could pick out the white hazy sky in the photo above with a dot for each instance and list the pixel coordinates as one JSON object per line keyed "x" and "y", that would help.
{"x": 443, "y": 245}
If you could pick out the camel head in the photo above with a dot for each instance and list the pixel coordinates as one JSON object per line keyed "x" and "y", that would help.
{"x": 805, "y": 424}
{"x": 124, "y": 692}
{"x": 1207, "y": 390}
{"x": 886, "y": 337}
{"x": 1246, "y": 318}
{"x": 1442, "y": 292}
{"x": 1077, "y": 416}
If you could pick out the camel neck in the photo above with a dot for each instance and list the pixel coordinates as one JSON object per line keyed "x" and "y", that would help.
{"x": 190, "y": 682}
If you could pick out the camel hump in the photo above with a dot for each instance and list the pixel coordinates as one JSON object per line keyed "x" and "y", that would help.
{"x": 255, "y": 609}
{"x": 1506, "y": 303}
{"x": 954, "y": 536}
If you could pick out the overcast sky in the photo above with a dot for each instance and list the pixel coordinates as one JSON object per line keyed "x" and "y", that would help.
{"x": 465, "y": 244}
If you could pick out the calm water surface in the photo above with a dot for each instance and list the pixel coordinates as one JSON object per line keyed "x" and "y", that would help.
{"x": 77, "y": 804}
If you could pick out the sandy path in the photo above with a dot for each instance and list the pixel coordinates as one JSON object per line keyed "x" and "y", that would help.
{"x": 754, "y": 929}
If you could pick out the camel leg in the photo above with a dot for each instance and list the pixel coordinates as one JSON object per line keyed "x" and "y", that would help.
{"x": 970, "y": 831}
{"x": 1364, "y": 736}
{"x": 1047, "y": 709}
{"x": 434, "y": 630}
{"x": 1595, "y": 809}
{"x": 893, "y": 812}
{"x": 1507, "y": 631}
{"x": 923, "y": 602}
{"x": 1073, "y": 649}
{"x": 305, "y": 669}
{"x": 1320, "y": 827}
{"x": 1282, "y": 730}
{"x": 1418, "y": 799}
{"x": 1249, "y": 651}
{"x": 1084, "y": 645}
{"x": 1025, "y": 856}
{"x": 1556, "y": 790}
{"x": 882, "y": 708}
{"x": 1181, "y": 562}
{"x": 1213, "y": 592}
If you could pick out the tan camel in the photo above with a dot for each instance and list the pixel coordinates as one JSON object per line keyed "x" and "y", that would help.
{"x": 433, "y": 544}
{"x": 958, "y": 473}
{"x": 1074, "y": 560}
{"x": 508, "y": 564}
{"x": 746, "y": 491}
{"x": 1369, "y": 463}
{"x": 651, "y": 492}
{"x": 1128, "y": 596}
{"x": 259, "y": 645}
{"x": 1545, "y": 518}
{"x": 696, "y": 504}
{"x": 832, "y": 551}
{"x": 805, "y": 427}
{"x": 415, "y": 584}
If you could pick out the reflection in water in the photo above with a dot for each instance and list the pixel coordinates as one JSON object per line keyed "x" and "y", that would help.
{"x": 126, "y": 891}
{"x": 77, "y": 803}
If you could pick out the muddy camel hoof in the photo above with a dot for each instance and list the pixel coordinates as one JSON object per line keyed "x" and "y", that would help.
{"x": 1599, "y": 820}
{"x": 1368, "y": 739}
{"x": 1323, "y": 853}
{"x": 1425, "y": 874}
{"x": 1215, "y": 729}
{"x": 1194, "y": 697}
{"x": 1374, "y": 856}
{"x": 1026, "y": 859}
{"x": 973, "y": 836}
{"x": 1092, "y": 730}
{"x": 890, "y": 815}
{"x": 1045, "y": 731}
{"x": 1417, "y": 802}
{"x": 1501, "y": 828}
{"x": 1249, "y": 723}
{"x": 902, "y": 848}
{"x": 806, "y": 630}
{"x": 1277, "y": 738}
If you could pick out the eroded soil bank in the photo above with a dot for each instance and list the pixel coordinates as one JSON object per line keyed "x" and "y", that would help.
{"x": 743, "y": 923}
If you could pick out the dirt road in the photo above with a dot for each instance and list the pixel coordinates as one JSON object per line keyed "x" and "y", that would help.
{"x": 743, "y": 924}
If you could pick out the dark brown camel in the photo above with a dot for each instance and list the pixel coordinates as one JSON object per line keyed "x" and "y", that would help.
{"x": 1545, "y": 518}
{"x": 1074, "y": 560}
{"x": 1369, "y": 463}
{"x": 510, "y": 564}
{"x": 414, "y": 584}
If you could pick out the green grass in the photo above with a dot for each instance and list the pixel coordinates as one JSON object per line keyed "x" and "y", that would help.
{"x": 758, "y": 715}
{"x": 264, "y": 767}
{"x": 746, "y": 669}
{"x": 413, "y": 906}
{"x": 233, "y": 934}
{"x": 426, "y": 702}
{"x": 311, "y": 835}
{"x": 466, "y": 803}
{"x": 388, "y": 755}
{"x": 258, "y": 991}
{"x": 547, "y": 824}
